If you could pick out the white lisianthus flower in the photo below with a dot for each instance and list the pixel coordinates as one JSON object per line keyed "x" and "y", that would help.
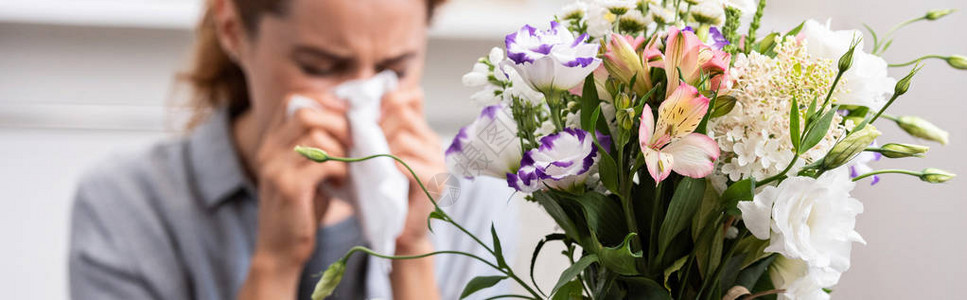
{"x": 519, "y": 87}
{"x": 551, "y": 60}
{"x": 487, "y": 147}
{"x": 866, "y": 83}
{"x": 562, "y": 161}
{"x": 812, "y": 220}
{"x": 799, "y": 281}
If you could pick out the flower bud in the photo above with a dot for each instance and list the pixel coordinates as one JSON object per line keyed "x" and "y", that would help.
{"x": 923, "y": 129}
{"x": 625, "y": 118}
{"x": 957, "y": 62}
{"x": 315, "y": 154}
{"x": 846, "y": 60}
{"x": 904, "y": 84}
{"x": 854, "y": 144}
{"x": 933, "y": 175}
{"x": 933, "y": 15}
{"x": 623, "y": 101}
{"x": 330, "y": 279}
{"x": 895, "y": 150}
{"x": 622, "y": 61}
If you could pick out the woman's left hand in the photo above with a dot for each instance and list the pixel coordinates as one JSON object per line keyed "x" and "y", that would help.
{"x": 411, "y": 139}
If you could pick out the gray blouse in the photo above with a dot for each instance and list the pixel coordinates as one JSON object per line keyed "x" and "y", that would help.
{"x": 178, "y": 221}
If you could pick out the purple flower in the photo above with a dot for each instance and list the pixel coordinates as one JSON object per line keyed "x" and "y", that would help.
{"x": 488, "y": 146}
{"x": 562, "y": 162}
{"x": 718, "y": 39}
{"x": 551, "y": 60}
{"x": 860, "y": 164}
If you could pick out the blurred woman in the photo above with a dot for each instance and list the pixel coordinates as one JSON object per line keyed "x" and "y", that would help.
{"x": 230, "y": 210}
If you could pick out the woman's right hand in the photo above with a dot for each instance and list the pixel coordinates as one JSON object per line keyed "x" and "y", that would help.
{"x": 291, "y": 203}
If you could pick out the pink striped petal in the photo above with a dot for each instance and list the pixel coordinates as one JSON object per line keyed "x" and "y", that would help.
{"x": 659, "y": 164}
{"x": 680, "y": 114}
{"x": 647, "y": 127}
{"x": 694, "y": 155}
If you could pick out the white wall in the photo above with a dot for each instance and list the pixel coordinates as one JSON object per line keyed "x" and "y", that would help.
{"x": 70, "y": 95}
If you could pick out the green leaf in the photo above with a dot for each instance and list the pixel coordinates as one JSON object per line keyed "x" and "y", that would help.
{"x": 794, "y": 134}
{"x": 603, "y": 215}
{"x": 570, "y": 291}
{"x": 559, "y": 215}
{"x": 589, "y": 101}
{"x": 743, "y": 190}
{"x": 620, "y": 259}
{"x": 723, "y": 105}
{"x": 645, "y": 289}
{"x": 749, "y": 276}
{"x": 608, "y": 170}
{"x": 434, "y": 215}
{"x": 677, "y": 265}
{"x": 754, "y": 247}
{"x": 573, "y": 271}
{"x": 768, "y": 43}
{"x": 710, "y": 205}
{"x": 684, "y": 203}
{"x": 537, "y": 251}
{"x": 817, "y": 131}
{"x": 811, "y": 111}
{"x": 709, "y": 253}
{"x": 796, "y": 30}
{"x": 498, "y": 252}
{"x": 479, "y": 283}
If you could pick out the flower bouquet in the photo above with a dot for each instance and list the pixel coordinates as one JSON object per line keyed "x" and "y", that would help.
{"x": 679, "y": 158}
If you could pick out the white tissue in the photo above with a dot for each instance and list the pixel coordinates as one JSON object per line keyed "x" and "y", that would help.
{"x": 379, "y": 191}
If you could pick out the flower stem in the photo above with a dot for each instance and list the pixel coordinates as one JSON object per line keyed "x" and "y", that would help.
{"x": 656, "y": 210}
{"x": 781, "y": 174}
{"x": 832, "y": 88}
{"x": 885, "y": 171}
{"x": 507, "y": 271}
{"x": 918, "y": 60}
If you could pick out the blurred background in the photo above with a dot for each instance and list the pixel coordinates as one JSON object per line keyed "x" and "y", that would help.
{"x": 82, "y": 79}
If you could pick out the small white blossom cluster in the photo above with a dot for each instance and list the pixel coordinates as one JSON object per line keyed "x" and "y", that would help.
{"x": 754, "y": 136}
{"x": 500, "y": 83}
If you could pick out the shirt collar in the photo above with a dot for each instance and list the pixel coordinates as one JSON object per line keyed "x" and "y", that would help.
{"x": 216, "y": 165}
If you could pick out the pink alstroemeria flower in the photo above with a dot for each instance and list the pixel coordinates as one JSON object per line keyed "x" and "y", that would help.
{"x": 622, "y": 61}
{"x": 671, "y": 144}
{"x": 684, "y": 52}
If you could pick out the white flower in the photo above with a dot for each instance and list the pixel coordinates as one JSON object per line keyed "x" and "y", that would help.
{"x": 487, "y": 147}
{"x": 519, "y": 87}
{"x": 563, "y": 161}
{"x": 551, "y": 60}
{"x": 573, "y": 11}
{"x": 618, "y": 7}
{"x": 866, "y": 83}
{"x": 812, "y": 220}
{"x": 709, "y": 12}
{"x": 799, "y": 281}
{"x": 660, "y": 14}
{"x": 599, "y": 20}
{"x": 477, "y": 76}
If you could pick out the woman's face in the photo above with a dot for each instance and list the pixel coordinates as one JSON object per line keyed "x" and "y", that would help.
{"x": 318, "y": 44}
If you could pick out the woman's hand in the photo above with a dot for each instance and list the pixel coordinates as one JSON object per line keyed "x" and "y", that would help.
{"x": 411, "y": 139}
{"x": 291, "y": 203}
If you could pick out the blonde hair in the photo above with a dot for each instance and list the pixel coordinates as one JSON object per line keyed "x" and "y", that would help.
{"x": 214, "y": 79}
